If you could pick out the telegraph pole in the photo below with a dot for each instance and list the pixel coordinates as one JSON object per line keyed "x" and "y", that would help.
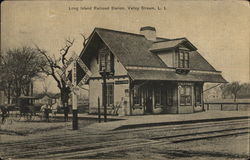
{"x": 104, "y": 99}
{"x": 99, "y": 112}
{"x": 74, "y": 100}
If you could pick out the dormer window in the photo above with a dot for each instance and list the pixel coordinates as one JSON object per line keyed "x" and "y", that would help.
{"x": 183, "y": 59}
{"x": 106, "y": 60}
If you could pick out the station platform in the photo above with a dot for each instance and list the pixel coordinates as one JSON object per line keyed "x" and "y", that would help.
{"x": 131, "y": 122}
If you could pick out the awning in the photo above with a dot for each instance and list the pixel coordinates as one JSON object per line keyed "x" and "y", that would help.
{"x": 172, "y": 76}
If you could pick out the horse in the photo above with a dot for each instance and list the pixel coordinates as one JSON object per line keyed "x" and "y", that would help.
{"x": 4, "y": 112}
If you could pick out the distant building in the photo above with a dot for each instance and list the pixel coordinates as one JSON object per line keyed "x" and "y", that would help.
{"x": 47, "y": 98}
{"x": 212, "y": 92}
{"x": 149, "y": 74}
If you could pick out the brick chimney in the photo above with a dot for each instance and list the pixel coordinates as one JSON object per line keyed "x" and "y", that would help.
{"x": 149, "y": 32}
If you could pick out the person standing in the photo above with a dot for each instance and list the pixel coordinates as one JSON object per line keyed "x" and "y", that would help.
{"x": 4, "y": 111}
{"x": 149, "y": 103}
{"x": 45, "y": 109}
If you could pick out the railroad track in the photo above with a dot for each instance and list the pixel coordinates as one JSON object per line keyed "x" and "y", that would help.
{"x": 78, "y": 145}
{"x": 144, "y": 142}
{"x": 117, "y": 132}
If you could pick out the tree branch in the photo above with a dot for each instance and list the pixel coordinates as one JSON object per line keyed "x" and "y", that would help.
{"x": 64, "y": 51}
{"x": 85, "y": 40}
{"x": 52, "y": 65}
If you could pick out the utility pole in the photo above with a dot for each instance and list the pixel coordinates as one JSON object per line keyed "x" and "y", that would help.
{"x": 74, "y": 100}
{"x": 99, "y": 110}
{"x": 104, "y": 99}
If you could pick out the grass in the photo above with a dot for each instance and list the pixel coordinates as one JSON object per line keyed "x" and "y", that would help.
{"x": 25, "y": 128}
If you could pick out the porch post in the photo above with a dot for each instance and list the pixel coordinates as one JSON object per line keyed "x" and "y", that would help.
{"x": 193, "y": 96}
{"x": 202, "y": 100}
{"x": 130, "y": 97}
{"x": 153, "y": 99}
{"x": 178, "y": 98}
{"x": 143, "y": 100}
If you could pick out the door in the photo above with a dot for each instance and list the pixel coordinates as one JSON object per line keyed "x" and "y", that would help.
{"x": 149, "y": 101}
{"x": 169, "y": 98}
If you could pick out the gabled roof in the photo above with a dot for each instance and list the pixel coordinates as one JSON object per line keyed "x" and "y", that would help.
{"x": 169, "y": 44}
{"x": 135, "y": 50}
{"x": 130, "y": 49}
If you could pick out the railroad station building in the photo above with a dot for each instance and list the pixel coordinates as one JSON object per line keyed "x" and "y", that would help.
{"x": 147, "y": 74}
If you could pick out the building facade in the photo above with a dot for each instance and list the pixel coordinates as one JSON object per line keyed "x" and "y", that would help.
{"x": 147, "y": 74}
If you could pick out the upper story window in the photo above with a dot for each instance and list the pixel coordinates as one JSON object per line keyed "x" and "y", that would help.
{"x": 183, "y": 59}
{"x": 106, "y": 60}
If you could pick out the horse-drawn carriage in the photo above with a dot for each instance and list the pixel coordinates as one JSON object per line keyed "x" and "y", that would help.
{"x": 25, "y": 109}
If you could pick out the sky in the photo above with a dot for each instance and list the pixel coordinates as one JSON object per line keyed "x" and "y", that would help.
{"x": 219, "y": 29}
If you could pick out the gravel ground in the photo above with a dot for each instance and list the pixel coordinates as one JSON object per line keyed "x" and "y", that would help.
{"x": 45, "y": 139}
{"x": 226, "y": 148}
{"x": 24, "y": 130}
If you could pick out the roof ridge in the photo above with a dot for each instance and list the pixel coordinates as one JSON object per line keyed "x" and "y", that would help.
{"x": 124, "y": 32}
{"x": 136, "y": 34}
{"x": 179, "y": 38}
{"x": 170, "y": 40}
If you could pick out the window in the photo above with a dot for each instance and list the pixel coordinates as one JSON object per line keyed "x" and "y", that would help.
{"x": 198, "y": 90}
{"x": 110, "y": 94}
{"x": 159, "y": 96}
{"x": 106, "y": 59}
{"x": 169, "y": 96}
{"x": 137, "y": 95}
{"x": 183, "y": 59}
{"x": 185, "y": 95}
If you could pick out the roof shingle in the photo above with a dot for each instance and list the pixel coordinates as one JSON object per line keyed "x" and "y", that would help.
{"x": 172, "y": 76}
{"x": 131, "y": 49}
{"x": 134, "y": 50}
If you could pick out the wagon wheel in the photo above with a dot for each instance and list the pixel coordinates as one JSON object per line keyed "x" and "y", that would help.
{"x": 35, "y": 116}
{"x": 28, "y": 116}
{"x": 8, "y": 119}
{"x": 15, "y": 116}
{"x": 18, "y": 116}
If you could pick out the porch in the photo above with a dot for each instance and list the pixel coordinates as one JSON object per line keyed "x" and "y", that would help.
{"x": 163, "y": 97}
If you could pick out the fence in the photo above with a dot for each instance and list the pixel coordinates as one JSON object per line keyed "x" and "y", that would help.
{"x": 227, "y": 106}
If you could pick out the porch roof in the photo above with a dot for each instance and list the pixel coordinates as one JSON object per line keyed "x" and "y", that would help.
{"x": 172, "y": 76}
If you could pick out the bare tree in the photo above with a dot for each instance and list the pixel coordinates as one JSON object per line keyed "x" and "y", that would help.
{"x": 55, "y": 64}
{"x": 19, "y": 67}
{"x": 232, "y": 88}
